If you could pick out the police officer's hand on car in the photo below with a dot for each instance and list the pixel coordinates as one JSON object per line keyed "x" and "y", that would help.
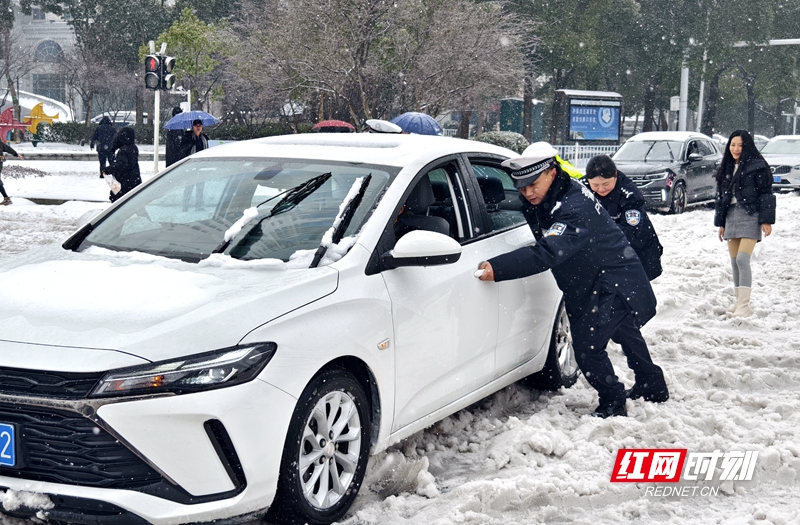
{"x": 487, "y": 274}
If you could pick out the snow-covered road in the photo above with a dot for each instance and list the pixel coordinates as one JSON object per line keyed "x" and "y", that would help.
{"x": 527, "y": 457}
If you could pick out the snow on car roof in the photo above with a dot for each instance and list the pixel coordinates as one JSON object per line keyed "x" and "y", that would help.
{"x": 668, "y": 135}
{"x": 371, "y": 148}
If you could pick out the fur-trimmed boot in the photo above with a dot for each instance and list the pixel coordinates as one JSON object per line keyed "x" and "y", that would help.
{"x": 6, "y": 201}
{"x": 742, "y": 302}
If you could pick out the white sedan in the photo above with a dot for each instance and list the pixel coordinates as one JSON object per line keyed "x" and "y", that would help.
{"x": 236, "y": 336}
{"x": 782, "y": 153}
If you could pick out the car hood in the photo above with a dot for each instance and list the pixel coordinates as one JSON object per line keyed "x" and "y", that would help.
{"x": 778, "y": 159}
{"x": 128, "y": 307}
{"x": 633, "y": 169}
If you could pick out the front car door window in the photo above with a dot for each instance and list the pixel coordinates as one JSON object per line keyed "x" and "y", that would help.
{"x": 500, "y": 198}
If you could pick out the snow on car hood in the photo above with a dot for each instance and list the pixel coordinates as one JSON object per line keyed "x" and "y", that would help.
{"x": 147, "y": 306}
{"x": 780, "y": 159}
{"x": 641, "y": 168}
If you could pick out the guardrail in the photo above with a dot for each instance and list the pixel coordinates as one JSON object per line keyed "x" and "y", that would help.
{"x": 579, "y": 155}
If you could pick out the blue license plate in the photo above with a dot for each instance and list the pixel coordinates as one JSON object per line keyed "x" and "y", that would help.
{"x": 8, "y": 456}
{"x": 776, "y": 178}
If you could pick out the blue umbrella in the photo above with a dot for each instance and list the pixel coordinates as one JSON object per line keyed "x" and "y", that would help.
{"x": 184, "y": 120}
{"x": 419, "y": 123}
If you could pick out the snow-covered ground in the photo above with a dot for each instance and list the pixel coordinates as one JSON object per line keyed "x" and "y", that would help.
{"x": 528, "y": 457}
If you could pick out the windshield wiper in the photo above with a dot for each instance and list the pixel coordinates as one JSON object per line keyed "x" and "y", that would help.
{"x": 291, "y": 198}
{"x": 344, "y": 218}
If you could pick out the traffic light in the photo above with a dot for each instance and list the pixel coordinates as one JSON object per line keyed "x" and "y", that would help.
{"x": 167, "y": 78}
{"x": 152, "y": 71}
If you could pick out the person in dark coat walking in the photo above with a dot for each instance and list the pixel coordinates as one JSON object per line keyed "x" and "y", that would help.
{"x": 103, "y": 136}
{"x": 5, "y": 149}
{"x": 606, "y": 291}
{"x": 744, "y": 208}
{"x": 625, "y": 203}
{"x": 125, "y": 165}
{"x": 193, "y": 141}
{"x": 174, "y": 139}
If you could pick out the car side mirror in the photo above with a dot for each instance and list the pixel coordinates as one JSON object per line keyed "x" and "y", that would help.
{"x": 694, "y": 157}
{"x": 422, "y": 248}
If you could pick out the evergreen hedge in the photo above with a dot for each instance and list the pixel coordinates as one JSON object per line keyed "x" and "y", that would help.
{"x": 505, "y": 139}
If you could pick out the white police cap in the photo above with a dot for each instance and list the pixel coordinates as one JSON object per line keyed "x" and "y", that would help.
{"x": 526, "y": 168}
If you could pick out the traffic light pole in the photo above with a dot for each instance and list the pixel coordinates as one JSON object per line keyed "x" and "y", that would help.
{"x": 156, "y": 127}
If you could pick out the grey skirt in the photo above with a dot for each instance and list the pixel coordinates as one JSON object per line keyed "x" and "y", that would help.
{"x": 741, "y": 225}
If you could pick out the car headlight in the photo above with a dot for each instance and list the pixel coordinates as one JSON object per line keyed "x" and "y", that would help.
{"x": 207, "y": 371}
{"x": 657, "y": 176}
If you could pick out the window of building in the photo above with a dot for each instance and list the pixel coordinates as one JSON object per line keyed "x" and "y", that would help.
{"x": 49, "y": 51}
{"x": 38, "y": 13}
{"x": 49, "y": 85}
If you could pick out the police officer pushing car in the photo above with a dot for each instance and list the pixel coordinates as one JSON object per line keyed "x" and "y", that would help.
{"x": 606, "y": 290}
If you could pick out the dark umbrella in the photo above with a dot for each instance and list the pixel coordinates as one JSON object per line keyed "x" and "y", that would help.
{"x": 419, "y": 123}
{"x": 184, "y": 120}
{"x": 333, "y": 126}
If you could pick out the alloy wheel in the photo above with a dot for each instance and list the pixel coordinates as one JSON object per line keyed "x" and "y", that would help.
{"x": 329, "y": 450}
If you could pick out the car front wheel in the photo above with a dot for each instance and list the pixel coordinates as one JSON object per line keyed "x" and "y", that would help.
{"x": 326, "y": 451}
{"x": 678, "y": 204}
{"x": 561, "y": 368}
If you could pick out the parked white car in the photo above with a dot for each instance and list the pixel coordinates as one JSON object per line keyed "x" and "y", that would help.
{"x": 237, "y": 335}
{"x": 119, "y": 118}
{"x": 782, "y": 153}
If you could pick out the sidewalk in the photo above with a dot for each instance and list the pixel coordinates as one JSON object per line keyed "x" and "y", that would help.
{"x": 75, "y": 180}
{"x": 70, "y": 172}
{"x": 61, "y": 151}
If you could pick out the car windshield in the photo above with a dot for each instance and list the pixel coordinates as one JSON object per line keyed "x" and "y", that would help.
{"x": 649, "y": 151}
{"x": 782, "y": 147}
{"x": 185, "y": 213}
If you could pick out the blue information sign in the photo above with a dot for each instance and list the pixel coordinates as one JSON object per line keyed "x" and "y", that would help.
{"x": 593, "y": 122}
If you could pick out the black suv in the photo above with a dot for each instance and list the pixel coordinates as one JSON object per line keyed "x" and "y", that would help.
{"x": 673, "y": 169}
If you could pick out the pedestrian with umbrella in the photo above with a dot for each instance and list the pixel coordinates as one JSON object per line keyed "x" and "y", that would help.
{"x": 193, "y": 141}
{"x": 418, "y": 123}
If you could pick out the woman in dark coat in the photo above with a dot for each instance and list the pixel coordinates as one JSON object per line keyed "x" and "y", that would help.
{"x": 625, "y": 203}
{"x": 103, "y": 136}
{"x": 174, "y": 138}
{"x": 125, "y": 166}
{"x": 744, "y": 208}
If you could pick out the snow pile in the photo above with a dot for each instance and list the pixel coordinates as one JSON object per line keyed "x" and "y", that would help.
{"x": 15, "y": 501}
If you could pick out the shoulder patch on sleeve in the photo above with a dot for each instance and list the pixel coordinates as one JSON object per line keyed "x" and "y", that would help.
{"x": 556, "y": 229}
{"x": 633, "y": 217}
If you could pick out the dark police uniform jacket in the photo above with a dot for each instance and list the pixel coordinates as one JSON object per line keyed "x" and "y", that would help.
{"x": 586, "y": 251}
{"x": 626, "y": 205}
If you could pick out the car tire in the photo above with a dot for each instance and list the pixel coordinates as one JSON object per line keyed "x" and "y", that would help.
{"x": 678, "y": 203}
{"x": 560, "y": 368}
{"x": 326, "y": 451}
